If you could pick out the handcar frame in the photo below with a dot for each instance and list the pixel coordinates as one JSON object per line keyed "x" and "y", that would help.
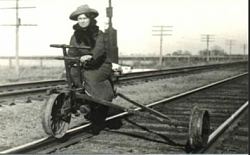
{"x": 62, "y": 103}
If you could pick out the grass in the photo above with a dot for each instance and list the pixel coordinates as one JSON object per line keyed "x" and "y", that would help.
{"x": 8, "y": 75}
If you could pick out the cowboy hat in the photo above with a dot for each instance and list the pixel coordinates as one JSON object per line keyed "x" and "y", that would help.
{"x": 83, "y": 9}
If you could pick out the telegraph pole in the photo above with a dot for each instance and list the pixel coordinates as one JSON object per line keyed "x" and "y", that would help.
{"x": 161, "y": 34}
{"x": 231, "y": 43}
{"x": 18, "y": 23}
{"x": 110, "y": 13}
{"x": 244, "y": 48}
{"x": 207, "y": 38}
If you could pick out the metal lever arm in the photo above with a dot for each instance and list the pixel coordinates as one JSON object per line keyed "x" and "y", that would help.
{"x": 67, "y": 58}
{"x": 68, "y": 46}
{"x": 145, "y": 108}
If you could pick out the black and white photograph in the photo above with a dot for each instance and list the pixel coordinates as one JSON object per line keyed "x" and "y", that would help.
{"x": 124, "y": 77}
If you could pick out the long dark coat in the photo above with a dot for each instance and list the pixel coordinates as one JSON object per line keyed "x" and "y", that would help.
{"x": 97, "y": 74}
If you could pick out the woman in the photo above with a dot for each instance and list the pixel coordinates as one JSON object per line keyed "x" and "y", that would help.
{"x": 97, "y": 67}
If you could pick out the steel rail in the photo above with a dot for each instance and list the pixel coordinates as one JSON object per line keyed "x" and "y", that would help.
{"x": 29, "y": 147}
{"x": 21, "y": 85}
{"x": 183, "y": 68}
{"x": 21, "y": 93}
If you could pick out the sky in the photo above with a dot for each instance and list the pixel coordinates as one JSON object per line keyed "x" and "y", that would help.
{"x": 133, "y": 20}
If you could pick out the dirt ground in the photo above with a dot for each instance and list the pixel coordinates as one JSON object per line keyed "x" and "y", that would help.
{"x": 21, "y": 123}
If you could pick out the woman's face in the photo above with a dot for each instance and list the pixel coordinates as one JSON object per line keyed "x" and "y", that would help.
{"x": 83, "y": 21}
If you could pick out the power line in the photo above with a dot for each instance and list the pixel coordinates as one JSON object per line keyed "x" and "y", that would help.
{"x": 161, "y": 34}
{"x": 207, "y": 38}
{"x": 231, "y": 43}
{"x": 18, "y": 8}
{"x": 18, "y": 23}
{"x": 15, "y": 0}
{"x": 244, "y": 46}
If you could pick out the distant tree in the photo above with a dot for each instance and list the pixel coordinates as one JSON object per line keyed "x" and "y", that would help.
{"x": 187, "y": 53}
{"x": 178, "y": 52}
{"x": 182, "y": 53}
{"x": 215, "y": 51}
{"x": 203, "y": 52}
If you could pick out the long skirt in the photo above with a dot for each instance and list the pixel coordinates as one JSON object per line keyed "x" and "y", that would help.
{"x": 97, "y": 82}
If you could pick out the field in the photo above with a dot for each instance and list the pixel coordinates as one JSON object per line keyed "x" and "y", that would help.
{"x": 34, "y": 72}
{"x": 27, "y": 74}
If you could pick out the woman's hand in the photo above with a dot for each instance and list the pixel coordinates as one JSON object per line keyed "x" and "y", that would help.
{"x": 85, "y": 58}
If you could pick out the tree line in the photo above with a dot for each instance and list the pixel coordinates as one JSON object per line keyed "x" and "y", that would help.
{"x": 215, "y": 51}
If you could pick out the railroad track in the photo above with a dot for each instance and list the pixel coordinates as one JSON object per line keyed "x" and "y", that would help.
{"x": 138, "y": 135}
{"x": 232, "y": 139}
{"x": 30, "y": 89}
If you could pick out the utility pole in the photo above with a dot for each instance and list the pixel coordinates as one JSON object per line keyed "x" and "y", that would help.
{"x": 231, "y": 43}
{"x": 111, "y": 35}
{"x": 18, "y": 23}
{"x": 207, "y": 38}
{"x": 161, "y": 34}
{"x": 110, "y": 13}
{"x": 244, "y": 48}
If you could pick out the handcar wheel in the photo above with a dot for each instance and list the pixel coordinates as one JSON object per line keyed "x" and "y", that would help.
{"x": 54, "y": 122}
{"x": 199, "y": 128}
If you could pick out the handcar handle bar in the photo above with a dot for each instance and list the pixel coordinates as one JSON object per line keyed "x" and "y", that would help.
{"x": 68, "y": 46}
{"x": 67, "y": 58}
